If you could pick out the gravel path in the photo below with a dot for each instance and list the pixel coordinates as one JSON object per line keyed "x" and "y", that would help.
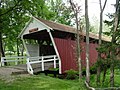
{"x": 6, "y": 73}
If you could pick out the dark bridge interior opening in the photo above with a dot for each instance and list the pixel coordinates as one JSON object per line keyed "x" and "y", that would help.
{"x": 41, "y": 38}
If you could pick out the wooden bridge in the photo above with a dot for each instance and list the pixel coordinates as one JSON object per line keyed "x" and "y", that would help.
{"x": 29, "y": 65}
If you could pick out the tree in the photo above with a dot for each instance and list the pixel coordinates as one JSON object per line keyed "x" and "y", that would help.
{"x": 62, "y": 13}
{"x": 87, "y": 43}
{"x": 113, "y": 41}
{"x": 100, "y": 36}
{"x": 15, "y": 13}
{"x": 76, "y": 10}
{"x": 111, "y": 49}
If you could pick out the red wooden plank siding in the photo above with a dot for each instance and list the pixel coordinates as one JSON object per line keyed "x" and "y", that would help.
{"x": 92, "y": 51}
{"x": 67, "y": 51}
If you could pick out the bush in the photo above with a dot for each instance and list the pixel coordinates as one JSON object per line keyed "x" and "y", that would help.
{"x": 71, "y": 74}
{"x": 93, "y": 69}
{"x": 62, "y": 76}
{"x": 54, "y": 69}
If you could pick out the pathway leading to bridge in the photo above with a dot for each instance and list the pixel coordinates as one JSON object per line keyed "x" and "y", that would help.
{"x": 9, "y": 70}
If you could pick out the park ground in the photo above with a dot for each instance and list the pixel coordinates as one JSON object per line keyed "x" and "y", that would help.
{"x": 42, "y": 82}
{"x": 38, "y": 82}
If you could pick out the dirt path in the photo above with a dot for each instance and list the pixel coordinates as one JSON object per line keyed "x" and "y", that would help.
{"x": 10, "y": 73}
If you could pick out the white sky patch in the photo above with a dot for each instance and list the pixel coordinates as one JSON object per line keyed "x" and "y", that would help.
{"x": 94, "y": 8}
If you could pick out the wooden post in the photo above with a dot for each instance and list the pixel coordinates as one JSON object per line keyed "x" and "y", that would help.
{"x": 29, "y": 68}
{"x": 51, "y": 37}
{"x": 16, "y": 62}
{"x": 25, "y": 45}
{"x": 54, "y": 61}
{"x": 2, "y": 61}
{"x": 42, "y": 63}
{"x": 60, "y": 67}
{"x": 0, "y": 64}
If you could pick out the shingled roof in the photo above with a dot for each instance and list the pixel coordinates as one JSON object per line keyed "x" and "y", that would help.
{"x": 58, "y": 26}
{"x": 66, "y": 28}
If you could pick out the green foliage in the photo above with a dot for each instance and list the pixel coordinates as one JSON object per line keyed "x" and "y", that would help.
{"x": 93, "y": 68}
{"x": 71, "y": 74}
{"x": 54, "y": 69}
{"x": 107, "y": 58}
{"x": 15, "y": 13}
{"x": 41, "y": 82}
{"x": 62, "y": 13}
{"x": 107, "y": 81}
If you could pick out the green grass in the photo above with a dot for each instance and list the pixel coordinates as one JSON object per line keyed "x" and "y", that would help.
{"x": 107, "y": 81}
{"x": 41, "y": 82}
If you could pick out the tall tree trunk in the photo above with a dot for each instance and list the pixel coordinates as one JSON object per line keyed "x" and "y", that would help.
{"x": 22, "y": 50}
{"x": 76, "y": 11}
{"x": 115, "y": 26}
{"x": 112, "y": 75}
{"x": 2, "y": 54}
{"x": 0, "y": 45}
{"x": 104, "y": 74}
{"x": 78, "y": 48}
{"x": 100, "y": 40}
{"x": 18, "y": 47}
{"x": 99, "y": 54}
{"x": 87, "y": 43}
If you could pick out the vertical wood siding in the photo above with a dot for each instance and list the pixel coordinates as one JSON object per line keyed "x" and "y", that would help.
{"x": 67, "y": 51}
{"x": 92, "y": 51}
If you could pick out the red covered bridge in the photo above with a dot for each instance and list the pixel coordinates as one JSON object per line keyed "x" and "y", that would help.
{"x": 53, "y": 44}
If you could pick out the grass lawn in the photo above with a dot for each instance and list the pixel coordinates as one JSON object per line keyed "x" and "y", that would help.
{"x": 107, "y": 81}
{"x": 41, "y": 82}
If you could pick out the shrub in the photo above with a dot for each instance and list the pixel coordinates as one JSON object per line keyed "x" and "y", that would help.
{"x": 54, "y": 69}
{"x": 71, "y": 74}
{"x": 93, "y": 69}
{"x": 62, "y": 76}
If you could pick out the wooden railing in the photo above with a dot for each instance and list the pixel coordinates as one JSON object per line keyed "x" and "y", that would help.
{"x": 32, "y": 60}
{"x": 12, "y": 59}
{"x": 42, "y": 60}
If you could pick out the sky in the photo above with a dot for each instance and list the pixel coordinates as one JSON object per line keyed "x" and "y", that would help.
{"x": 94, "y": 10}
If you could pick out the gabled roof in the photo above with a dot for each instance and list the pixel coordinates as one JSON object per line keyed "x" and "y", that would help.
{"x": 64, "y": 28}
{"x": 25, "y": 27}
{"x": 58, "y": 26}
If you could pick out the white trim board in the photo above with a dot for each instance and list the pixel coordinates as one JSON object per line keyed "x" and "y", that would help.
{"x": 33, "y": 23}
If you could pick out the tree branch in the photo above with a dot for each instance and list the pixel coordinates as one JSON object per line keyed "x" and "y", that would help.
{"x": 12, "y": 8}
{"x": 102, "y": 8}
{"x": 73, "y": 5}
{"x": 100, "y": 5}
{"x": 104, "y": 5}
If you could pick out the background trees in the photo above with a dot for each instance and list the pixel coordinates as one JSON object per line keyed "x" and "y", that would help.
{"x": 76, "y": 9}
{"x": 115, "y": 36}
{"x": 62, "y": 13}
{"x": 100, "y": 38}
{"x": 15, "y": 13}
{"x": 87, "y": 43}
{"x": 111, "y": 49}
